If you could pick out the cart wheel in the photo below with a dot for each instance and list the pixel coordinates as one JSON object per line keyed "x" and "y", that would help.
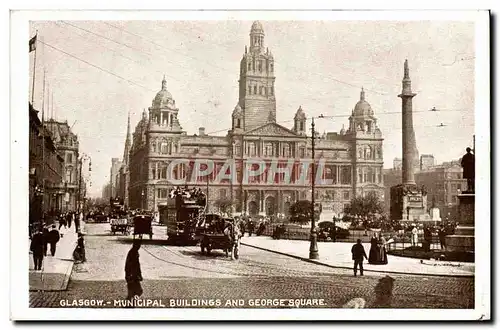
{"x": 236, "y": 252}
{"x": 209, "y": 249}
{"x": 202, "y": 248}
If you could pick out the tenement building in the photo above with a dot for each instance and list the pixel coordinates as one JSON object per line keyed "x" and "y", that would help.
{"x": 67, "y": 144}
{"x": 352, "y": 158}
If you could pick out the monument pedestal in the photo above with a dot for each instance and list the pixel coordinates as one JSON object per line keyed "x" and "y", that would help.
{"x": 409, "y": 204}
{"x": 462, "y": 242}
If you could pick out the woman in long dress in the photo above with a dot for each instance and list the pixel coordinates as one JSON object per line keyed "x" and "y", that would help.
{"x": 373, "y": 257}
{"x": 382, "y": 250}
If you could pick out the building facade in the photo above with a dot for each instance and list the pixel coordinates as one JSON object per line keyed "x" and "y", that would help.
{"x": 353, "y": 158}
{"x": 46, "y": 170}
{"x": 67, "y": 144}
{"x": 426, "y": 162}
{"x": 114, "y": 179}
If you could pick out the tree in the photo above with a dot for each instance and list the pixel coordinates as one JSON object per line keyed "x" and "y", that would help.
{"x": 366, "y": 211}
{"x": 300, "y": 212}
{"x": 223, "y": 204}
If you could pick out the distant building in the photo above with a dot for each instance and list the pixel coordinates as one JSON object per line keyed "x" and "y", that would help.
{"x": 113, "y": 176}
{"x": 443, "y": 183}
{"x": 426, "y": 162}
{"x": 106, "y": 192}
{"x": 397, "y": 164}
{"x": 67, "y": 144}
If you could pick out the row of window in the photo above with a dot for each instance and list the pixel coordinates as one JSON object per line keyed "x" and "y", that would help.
{"x": 260, "y": 90}
{"x": 164, "y": 148}
{"x": 370, "y": 152}
{"x": 270, "y": 149}
{"x": 260, "y": 66}
{"x": 369, "y": 175}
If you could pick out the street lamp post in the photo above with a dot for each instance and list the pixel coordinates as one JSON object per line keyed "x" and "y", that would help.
{"x": 142, "y": 199}
{"x": 313, "y": 249}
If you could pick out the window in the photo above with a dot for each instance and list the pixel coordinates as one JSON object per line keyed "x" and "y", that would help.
{"x": 345, "y": 174}
{"x": 69, "y": 176}
{"x": 346, "y": 195}
{"x": 260, "y": 90}
{"x": 238, "y": 123}
{"x": 162, "y": 193}
{"x": 255, "y": 89}
{"x": 249, "y": 66}
{"x": 360, "y": 176}
{"x": 286, "y": 150}
{"x": 164, "y": 148}
{"x": 272, "y": 68}
{"x": 302, "y": 152}
{"x": 268, "y": 149}
{"x": 69, "y": 158}
{"x": 260, "y": 66}
{"x": 153, "y": 173}
{"x": 249, "y": 89}
{"x": 271, "y": 91}
{"x": 251, "y": 149}
{"x": 301, "y": 126}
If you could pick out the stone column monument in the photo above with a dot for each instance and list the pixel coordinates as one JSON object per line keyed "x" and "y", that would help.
{"x": 408, "y": 202}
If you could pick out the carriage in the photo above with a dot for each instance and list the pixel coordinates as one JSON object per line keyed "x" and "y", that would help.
{"x": 221, "y": 234}
{"x": 120, "y": 225}
{"x": 143, "y": 225}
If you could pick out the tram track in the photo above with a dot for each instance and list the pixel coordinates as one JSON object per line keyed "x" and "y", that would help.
{"x": 192, "y": 267}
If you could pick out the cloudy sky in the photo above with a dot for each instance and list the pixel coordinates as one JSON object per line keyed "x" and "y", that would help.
{"x": 99, "y": 71}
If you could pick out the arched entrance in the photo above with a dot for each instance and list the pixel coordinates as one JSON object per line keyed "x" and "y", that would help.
{"x": 253, "y": 208}
{"x": 270, "y": 205}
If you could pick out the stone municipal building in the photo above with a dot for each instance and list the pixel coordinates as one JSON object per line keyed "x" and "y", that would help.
{"x": 353, "y": 157}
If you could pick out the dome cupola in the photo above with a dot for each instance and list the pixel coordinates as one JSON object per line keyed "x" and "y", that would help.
{"x": 163, "y": 97}
{"x": 362, "y": 108}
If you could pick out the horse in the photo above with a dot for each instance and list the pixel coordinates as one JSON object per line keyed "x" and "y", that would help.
{"x": 233, "y": 235}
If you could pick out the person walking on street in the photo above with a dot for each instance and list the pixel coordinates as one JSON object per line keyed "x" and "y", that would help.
{"x": 133, "y": 274}
{"x": 62, "y": 221}
{"x": 46, "y": 239}
{"x": 358, "y": 255}
{"x": 37, "y": 247}
{"x": 54, "y": 237}
{"x": 442, "y": 237}
{"x": 79, "y": 253}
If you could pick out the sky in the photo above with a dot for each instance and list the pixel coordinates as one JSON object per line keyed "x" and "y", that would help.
{"x": 100, "y": 71}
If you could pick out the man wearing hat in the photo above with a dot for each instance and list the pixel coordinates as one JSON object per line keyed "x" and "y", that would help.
{"x": 53, "y": 238}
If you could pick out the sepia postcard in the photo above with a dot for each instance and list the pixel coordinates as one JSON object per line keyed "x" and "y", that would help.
{"x": 250, "y": 165}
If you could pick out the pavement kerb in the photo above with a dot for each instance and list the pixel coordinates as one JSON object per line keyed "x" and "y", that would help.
{"x": 350, "y": 268}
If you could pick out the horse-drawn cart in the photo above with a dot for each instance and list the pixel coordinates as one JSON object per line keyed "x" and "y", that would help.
{"x": 221, "y": 235}
{"x": 143, "y": 226}
{"x": 120, "y": 225}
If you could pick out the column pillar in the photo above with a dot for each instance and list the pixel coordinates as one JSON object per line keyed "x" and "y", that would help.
{"x": 161, "y": 118}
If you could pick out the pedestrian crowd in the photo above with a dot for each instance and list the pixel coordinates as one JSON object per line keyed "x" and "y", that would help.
{"x": 44, "y": 237}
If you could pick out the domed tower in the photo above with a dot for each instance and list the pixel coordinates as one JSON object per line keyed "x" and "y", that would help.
{"x": 367, "y": 154}
{"x": 163, "y": 112}
{"x": 256, "y": 83}
{"x": 299, "y": 122}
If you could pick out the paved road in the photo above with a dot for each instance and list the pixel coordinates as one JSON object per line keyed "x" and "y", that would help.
{"x": 180, "y": 274}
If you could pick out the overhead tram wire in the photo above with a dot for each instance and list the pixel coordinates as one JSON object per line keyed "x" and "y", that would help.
{"x": 107, "y": 38}
{"x": 126, "y": 57}
{"x": 97, "y": 67}
{"x": 347, "y": 116}
{"x": 314, "y": 100}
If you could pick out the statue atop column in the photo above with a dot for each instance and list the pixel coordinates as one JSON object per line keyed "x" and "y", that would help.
{"x": 469, "y": 166}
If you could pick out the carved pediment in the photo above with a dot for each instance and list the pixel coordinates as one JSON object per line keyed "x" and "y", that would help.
{"x": 272, "y": 129}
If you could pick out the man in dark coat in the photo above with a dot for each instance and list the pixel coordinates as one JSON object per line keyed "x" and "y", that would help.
{"x": 469, "y": 166}
{"x": 37, "y": 247}
{"x": 46, "y": 239}
{"x": 358, "y": 255}
{"x": 53, "y": 239}
{"x": 133, "y": 274}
